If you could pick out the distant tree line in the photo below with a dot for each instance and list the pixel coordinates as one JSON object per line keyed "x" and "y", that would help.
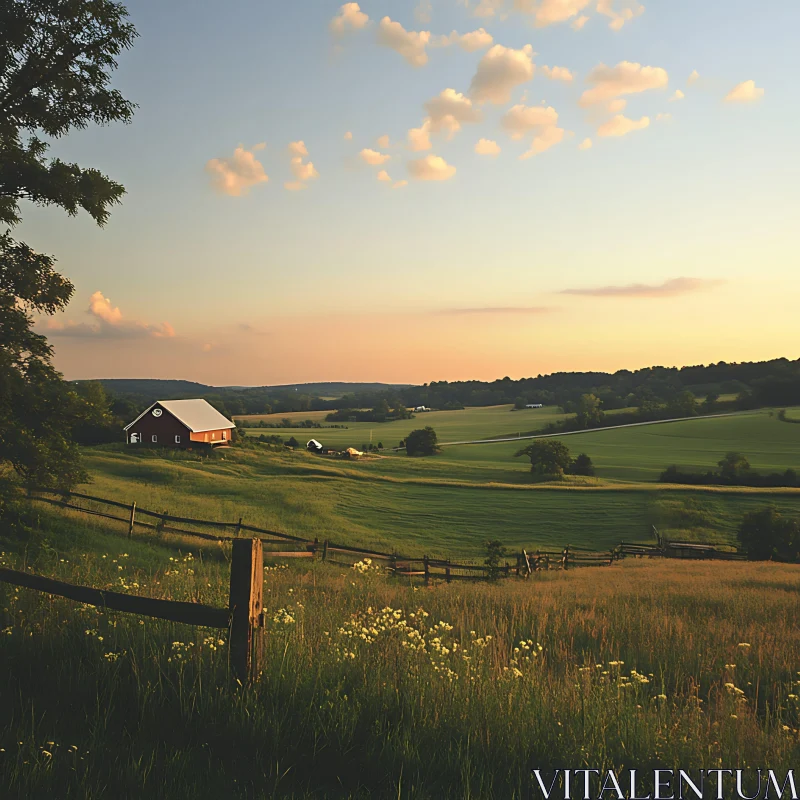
{"x": 734, "y": 470}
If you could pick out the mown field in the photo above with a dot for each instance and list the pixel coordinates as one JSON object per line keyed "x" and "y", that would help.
{"x": 451, "y": 504}
{"x": 374, "y": 688}
{"x": 451, "y": 426}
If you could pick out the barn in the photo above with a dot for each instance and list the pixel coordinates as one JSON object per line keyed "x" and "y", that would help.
{"x": 180, "y": 423}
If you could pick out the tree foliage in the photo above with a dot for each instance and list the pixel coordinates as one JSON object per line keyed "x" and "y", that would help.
{"x": 422, "y": 442}
{"x": 56, "y": 59}
{"x": 767, "y": 535}
{"x": 547, "y": 456}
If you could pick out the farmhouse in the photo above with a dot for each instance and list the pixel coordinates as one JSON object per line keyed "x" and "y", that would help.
{"x": 421, "y": 408}
{"x": 313, "y": 446}
{"x": 534, "y": 405}
{"x": 180, "y": 423}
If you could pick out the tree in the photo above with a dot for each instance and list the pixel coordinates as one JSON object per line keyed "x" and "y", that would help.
{"x": 589, "y": 414}
{"x": 56, "y": 57}
{"x": 684, "y": 405}
{"x": 733, "y": 466}
{"x": 422, "y": 442}
{"x": 767, "y": 535}
{"x": 548, "y": 457}
{"x": 582, "y": 465}
{"x": 292, "y": 442}
{"x": 495, "y": 552}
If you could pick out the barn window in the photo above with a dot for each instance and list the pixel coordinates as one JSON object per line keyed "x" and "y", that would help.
{"x": 224, "y": 435}
{"x": 205, "y": 437}
{"x": 155, "y": 438}
{"x": 177, "y": 440}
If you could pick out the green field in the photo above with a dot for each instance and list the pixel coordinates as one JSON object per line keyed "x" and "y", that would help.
{"x": 452, "y": 503}
{"x": 451, "y": 426}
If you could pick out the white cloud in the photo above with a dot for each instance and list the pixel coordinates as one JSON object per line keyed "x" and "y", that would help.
{"x": 295, "y": 186}
{"x": 470, "y": 42}
{"x": 449, "y": 109}
{"x": 409, "y": 44}
{"x": 693, "y": 77}
{"x": 383, "y": 175}
{"x": 548, "y": 137}
{"x": 487, "y": 147}
{"x": 383, "y": 141}
{"x": 520, "y": 119}
{"x": 499, "y": 71}
{"x": 420, "y": 138}
{"x": 488, "y": 8}
{"x": 108, "y": 323}
{"x": 549, "y": 12}
{"x": 399, "y": 184}
{"x": 348, "y": 136}
{"x": 298, "y": 149}
{"x": 303, "y": 171}
{"x": 746, "y": 92}
{"x": 234, "y": 176}
{"x": 620, "y": 125}
{"x": 679, "y": 95}
{"x": 625, "y": 78}
{"x": 580, "y": 22}
{"x": 629, "y": 10}
{"x": 586, "y": 144}
{"x": 373, "y": 157}
{"x": 431, "y": 168}
{"x": 350, "y": 17}
{"x": 615, "y": 106}
{"x": 558, "y": 74}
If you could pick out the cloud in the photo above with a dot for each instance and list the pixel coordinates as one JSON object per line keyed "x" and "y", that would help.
{"x": 373, "y": 157}
{"x": 383, "y": 175}
{"x": 234, "y": 176}
{"x": 350, "y": 17}
{"x": 348, "y": 136}
{"x": 558, "y": 74}
{"x": 491, "y": 310}
{"x": 629, "y": 9}
{"x": 521, "y": 119}
{"x": 302, "y": 171}
{"x": 586, "y": 144}
{"x": 470, "y": 42}
{"x": 615, "y": 106}
{"x": 419, "y": 138}
{"x": 580, "y": 22}
{"x": 549, "y": 12}
{"x": 620, "y": 125}
{"x": 693, "y": 77}
{"x": 746, "y": 92}
{"x": 295, "y": 186}
{"x": 625, "y": 78}
{"x": 549, "y": 137}
{"x": 487, "y": 147}
{"x": 679, "y": 95}
{"x": 449, "y": 109}
{"x": 488, "y": 8}
{"x": 661, "y": 117}
{"x": 409, "y": 44}
{"x": 399, "y": 184}
{"x": 108, "y": 323}
{"x": 298, "y": 148}
{"x": 431, "y": 168}
{"x": 383, "y": 141}
{"x": 499, "y": 71}
{"x": 669, "y": 288}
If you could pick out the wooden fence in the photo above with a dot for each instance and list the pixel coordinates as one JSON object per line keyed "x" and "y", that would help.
{"x": 289, "y": 546}
{"x": 243, "y": 617}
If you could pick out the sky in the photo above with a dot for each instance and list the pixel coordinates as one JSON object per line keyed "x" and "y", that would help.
{"x": 437, "y": 190}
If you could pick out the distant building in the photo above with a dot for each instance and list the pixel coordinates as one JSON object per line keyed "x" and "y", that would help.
{"x": 180, "y": 423}
{"x": 421, "y": 408}
{"x": 534, "y": 405}
{"x": 313, "y": 446}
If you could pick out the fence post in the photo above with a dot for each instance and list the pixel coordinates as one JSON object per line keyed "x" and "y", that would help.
{"x": 325, "y": 550}
{"x": 506, "y": 569}
{"x": 427, "y": 570}
{"x": 246, "y": 596}
{"x": 447, "y": 572}
{"x": 133, "y": 519}
{"x": 238, "y": 532}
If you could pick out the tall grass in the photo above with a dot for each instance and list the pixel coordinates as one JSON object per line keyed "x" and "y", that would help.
{"x": 374, "y": 688}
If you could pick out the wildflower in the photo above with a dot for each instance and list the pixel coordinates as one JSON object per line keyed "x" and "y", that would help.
{"x": 743, "y": 645}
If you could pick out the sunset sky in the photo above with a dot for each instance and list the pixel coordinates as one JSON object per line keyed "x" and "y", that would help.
{"x": 438, "y": 189}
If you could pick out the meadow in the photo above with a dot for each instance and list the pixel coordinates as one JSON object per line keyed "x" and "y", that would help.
{"x": 376, "y": 688}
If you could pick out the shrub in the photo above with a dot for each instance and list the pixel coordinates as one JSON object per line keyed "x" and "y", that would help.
{"x": 582, "y": 465}
{"x": 767, "y": 535}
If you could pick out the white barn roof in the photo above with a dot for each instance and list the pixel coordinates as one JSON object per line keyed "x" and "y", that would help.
{"x": 196, "y": 415}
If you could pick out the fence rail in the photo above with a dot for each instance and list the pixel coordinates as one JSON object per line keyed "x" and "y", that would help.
{"x": 526, "y": 562}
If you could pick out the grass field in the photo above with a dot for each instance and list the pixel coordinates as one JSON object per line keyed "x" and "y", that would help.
{"x": 451, "y": 426}
{"x": 643, "y": 664}
{"x": 449, "y": 505}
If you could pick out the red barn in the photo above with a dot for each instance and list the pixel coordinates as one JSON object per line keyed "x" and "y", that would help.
{"x": 180, "y": 423}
